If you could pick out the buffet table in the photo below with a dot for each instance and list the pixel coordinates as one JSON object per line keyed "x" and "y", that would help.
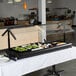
{"x": 31, "y": 64}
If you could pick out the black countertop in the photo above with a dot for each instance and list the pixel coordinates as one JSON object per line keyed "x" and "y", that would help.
{"x": 18, "y": 26}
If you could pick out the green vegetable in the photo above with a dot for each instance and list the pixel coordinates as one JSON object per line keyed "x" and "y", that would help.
{"x": 28, "y": 47}
{"x": 34, "y": 46}
{"x": 20, "y": 49}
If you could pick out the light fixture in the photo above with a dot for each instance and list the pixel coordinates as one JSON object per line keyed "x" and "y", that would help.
{"x": 49, "y": 1}
{"x": 24, "y": 5}
{"x": 17, "y": 0}
{"x": 12, "y": 1}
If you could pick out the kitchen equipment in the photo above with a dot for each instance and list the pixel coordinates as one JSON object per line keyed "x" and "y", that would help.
{"x": 15, "y": 55}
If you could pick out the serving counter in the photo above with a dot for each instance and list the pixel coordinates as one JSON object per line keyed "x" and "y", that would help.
{"x": 31, "y": 64}
{"x": 26, "y": 35}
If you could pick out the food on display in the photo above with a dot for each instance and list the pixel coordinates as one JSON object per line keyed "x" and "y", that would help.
{"x": 25, "y": 47}
{"x": 34, "y": 49}
{"x": 37, "y": 46}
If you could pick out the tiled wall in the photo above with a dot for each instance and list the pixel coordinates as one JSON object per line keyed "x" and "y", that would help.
{"x": 16, "y": 9}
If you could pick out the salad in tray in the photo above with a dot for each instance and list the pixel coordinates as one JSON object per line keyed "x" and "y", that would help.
{"x": 36, "y": 46}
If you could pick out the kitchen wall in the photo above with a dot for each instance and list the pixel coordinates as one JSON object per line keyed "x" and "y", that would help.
{"x": 70, "y": 4}
{"x": 52, "y": 5}
{"x": 16, "y": 9}
{"x": 63, "y": 3}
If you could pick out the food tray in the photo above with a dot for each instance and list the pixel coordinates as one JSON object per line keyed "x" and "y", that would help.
{"x": 15, "y": 55}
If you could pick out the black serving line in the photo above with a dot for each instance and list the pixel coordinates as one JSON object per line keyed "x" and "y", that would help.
{"x": 15, "y": 55}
